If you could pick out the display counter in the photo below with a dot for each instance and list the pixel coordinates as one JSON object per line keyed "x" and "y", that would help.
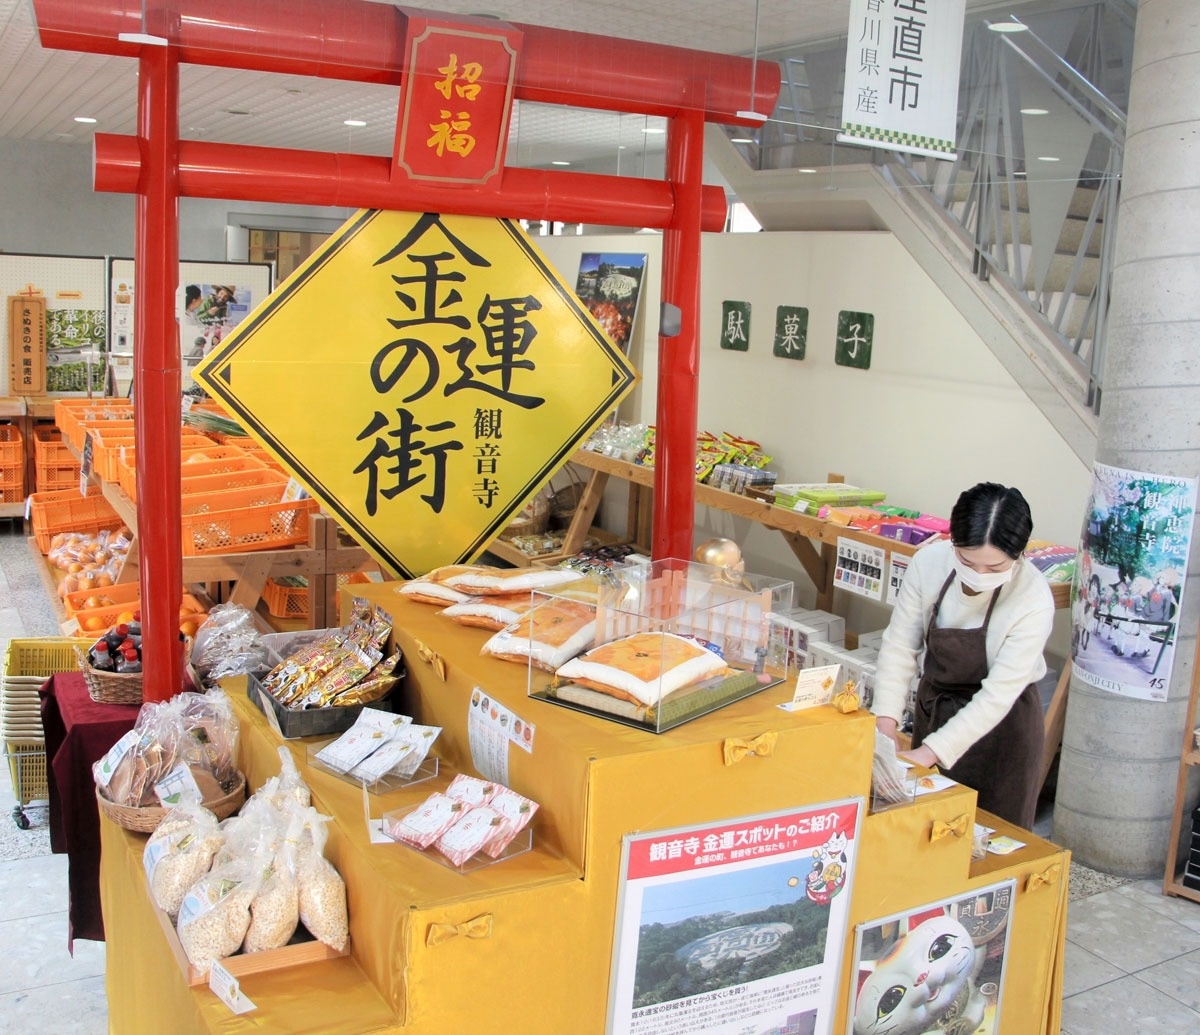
{"x": 538, "y": 953}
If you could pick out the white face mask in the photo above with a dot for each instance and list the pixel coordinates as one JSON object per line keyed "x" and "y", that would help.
{"x": 982, "y": 581}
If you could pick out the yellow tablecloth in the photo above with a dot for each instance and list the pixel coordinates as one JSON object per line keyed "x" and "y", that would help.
{"x": 545, "y": 963}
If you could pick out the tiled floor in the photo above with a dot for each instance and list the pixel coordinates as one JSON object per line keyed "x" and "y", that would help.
{"x": 1132, "y": 965}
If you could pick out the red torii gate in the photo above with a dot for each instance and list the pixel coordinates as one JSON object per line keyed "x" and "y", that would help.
{"x": 366, "y": 42}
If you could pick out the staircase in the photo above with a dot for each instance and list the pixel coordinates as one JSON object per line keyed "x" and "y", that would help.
{"x": 1019, "y": 231}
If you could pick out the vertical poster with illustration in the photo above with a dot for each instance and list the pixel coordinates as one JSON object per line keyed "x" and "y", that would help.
{"x": 610, "y": 285}
{"x": 936, "y": 968}
{"x": 210, "y": 311}
{"x": 734, "y": 926}
{"x": 859, "y": 568}
{"x": 1128, "y": 590}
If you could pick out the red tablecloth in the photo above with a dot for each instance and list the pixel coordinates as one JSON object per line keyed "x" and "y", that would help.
{"x": 78, "y": 733}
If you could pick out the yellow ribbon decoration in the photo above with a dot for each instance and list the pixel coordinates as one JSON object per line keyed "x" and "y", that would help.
{"x": 433, "y": 658}
{"x": 1048, "y": 876}
{"x": 763, "y": 746}
{"x": 955, "y": 828}
{"x": 477, "y": 927}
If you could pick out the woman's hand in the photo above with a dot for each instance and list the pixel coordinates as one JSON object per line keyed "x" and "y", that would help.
{"x": 888, "y": 727}
{"x": 922, "y": 756}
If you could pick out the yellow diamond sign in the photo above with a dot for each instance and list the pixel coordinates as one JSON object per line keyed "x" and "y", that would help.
{"x": 422, "y": 375}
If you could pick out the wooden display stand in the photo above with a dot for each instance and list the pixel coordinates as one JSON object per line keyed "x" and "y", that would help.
{"x": 542, "y": 929}
{"x": 813, "y": 540}
{"x": 1189, "y": 757}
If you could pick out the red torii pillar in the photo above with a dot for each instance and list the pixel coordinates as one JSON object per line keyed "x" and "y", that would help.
{"x": 364, "y": 42}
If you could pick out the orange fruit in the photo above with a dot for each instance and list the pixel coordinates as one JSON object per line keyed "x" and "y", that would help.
{"x": 125, "y": 617}
{"x": 95, "y": 624}
{"x": 103, "y": 580}
{"x": 74, "y": 566}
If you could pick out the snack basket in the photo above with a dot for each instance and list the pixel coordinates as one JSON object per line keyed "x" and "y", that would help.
{"x": 110, "y": 687}
{"x": 145, "y": 818}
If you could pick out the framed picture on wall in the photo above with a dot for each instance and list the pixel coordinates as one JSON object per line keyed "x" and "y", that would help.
{"x": 610, "y": 285}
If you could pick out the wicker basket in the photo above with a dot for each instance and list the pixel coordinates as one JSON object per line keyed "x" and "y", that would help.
{"x": 564, "y": 501}
{"x": 110, "y": 687}
{"x": 147, "y": 817}
{"x": 531, "y": 519}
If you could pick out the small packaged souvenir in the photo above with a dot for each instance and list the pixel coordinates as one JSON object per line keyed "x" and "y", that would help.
{"x": 427, "y": 822}
{"x": 470, "y": 834}
{"x": 516, "y": 811}
{"x": 471, "y": 789}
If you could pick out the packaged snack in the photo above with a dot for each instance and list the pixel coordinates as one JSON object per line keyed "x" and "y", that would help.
{"x": 179, "y": 853}
{"x": 516, "y": 811}
{"x": 548, "y": 636}
{"x": 470, "y": 834}
{"x": 428, "y": 821}
{"x": 471, "y": 789}
{"x": 643, "y": 667}
{"x": 215, "y": 913}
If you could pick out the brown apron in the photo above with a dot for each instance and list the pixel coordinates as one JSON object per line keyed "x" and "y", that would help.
{"x": 1004, "y": 765}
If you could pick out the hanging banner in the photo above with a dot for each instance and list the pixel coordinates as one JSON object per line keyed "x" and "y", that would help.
{"x": 27, "y": 344}
{"x": 456, "y": 100}
{"x": 734, "y": 926}
{"x": 1128, "y": 590}
{"x": 902, "y": 66}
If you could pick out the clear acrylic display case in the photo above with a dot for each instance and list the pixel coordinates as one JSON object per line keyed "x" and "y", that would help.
{"x": 627, "y": 642}
{"x": 393, "y": 781}
{"x": 519, "y": 845}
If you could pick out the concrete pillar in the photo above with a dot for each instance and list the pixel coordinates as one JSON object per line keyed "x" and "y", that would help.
{"x": 1120, "y": 757}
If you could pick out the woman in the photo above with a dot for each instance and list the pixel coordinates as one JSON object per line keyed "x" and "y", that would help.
{"x": 982, "y": 614}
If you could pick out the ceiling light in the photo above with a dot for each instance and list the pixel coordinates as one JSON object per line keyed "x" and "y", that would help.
{"x": 86, "y": 119}
{"x": 1047, "y": 158}
{"x": 559, "y": 161}
{"x": 1034, "y": 111}
{"x": 1008, "y": 27}
{"x": 651, "y": 130}
{"x": 353, "y": 122}
{"x": 741, "y": 140}
{"x": 806, "y": 171}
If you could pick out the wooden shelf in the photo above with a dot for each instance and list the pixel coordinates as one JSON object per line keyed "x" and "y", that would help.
{"x": 1189, "y": 755}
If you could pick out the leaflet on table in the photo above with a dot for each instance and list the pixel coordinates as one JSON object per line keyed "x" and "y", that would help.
{"x": 104, "y": 769}
{"x": 372, "y": 727}
{"x": 402, "y": 753}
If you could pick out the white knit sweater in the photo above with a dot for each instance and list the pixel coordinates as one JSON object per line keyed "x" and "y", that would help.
{"x": 1017, "y": 634}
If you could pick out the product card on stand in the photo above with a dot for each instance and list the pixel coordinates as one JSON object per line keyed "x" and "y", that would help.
{"x": 814, "y": 686}
{"x": 227, "y": 989}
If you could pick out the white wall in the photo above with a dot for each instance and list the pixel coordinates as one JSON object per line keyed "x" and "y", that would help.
{"x": 48, "y": 206}
{"x": 935, "y": 413}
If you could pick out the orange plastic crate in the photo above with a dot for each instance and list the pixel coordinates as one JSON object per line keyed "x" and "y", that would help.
{"x": 111, "y": 454}
{"x": 124, "y": 593}
{"x": 66, "y": 511}
{"x": 288, "y": 597}
{"x": 47, "y": 441}
{"x": 56, "y": 471}
{"x": 251, "y": 478}
{"x": 12, "y": 446}
{"x": 257, "y": 526}
{"x": 12, "y": 483}
{"x": 100, "y": 619}
{"x": 230, "y": 465}
{"x": 74, "y": 416}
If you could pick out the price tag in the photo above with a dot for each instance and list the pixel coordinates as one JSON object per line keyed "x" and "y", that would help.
{"x": 179, "y": 782}
{"x": 294, "y": 491}
{"x": 269, "y": 712}
{"x": 227, "y": 989}
{"x": 108, "y": 764}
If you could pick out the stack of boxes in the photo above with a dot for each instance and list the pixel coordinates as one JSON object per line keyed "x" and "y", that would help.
{"x": 805, "y": 638}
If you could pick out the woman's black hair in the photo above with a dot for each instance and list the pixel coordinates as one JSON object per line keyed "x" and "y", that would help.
{"x": 988, "y": 514}
{"x": 191, "y": 293}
